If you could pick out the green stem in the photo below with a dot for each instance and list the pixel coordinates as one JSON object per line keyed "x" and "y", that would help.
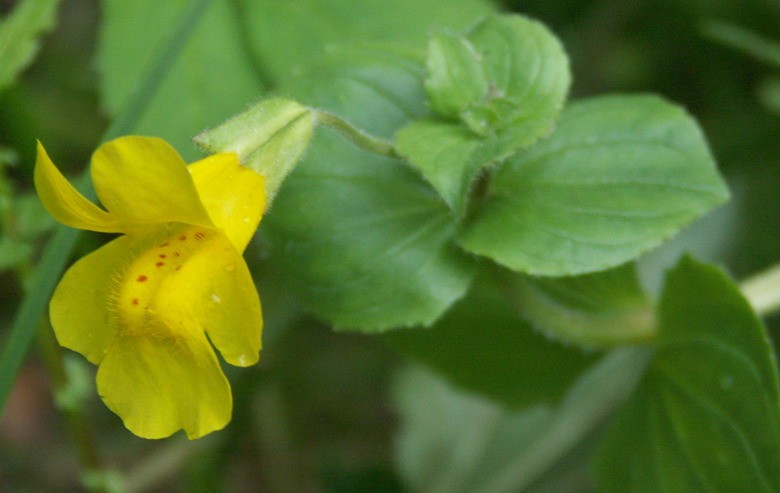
{"x": 57, "y": 251}
{"x": 763, "y": 291}
{"x": 94, "y": 476}
{"x": 355, "y": 135}
{"x": 744, "y": 40}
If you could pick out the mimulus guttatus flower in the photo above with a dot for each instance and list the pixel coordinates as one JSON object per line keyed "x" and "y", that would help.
{"x": 141, "y": 307}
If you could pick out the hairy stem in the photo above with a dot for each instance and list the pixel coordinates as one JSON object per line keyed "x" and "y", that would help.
{"x": 355, "y": 135}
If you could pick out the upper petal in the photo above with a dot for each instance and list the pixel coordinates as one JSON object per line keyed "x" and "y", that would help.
{"x": 214, "y": 291}
{"x": 234, "y": 195}
{"x": 160, "y": 385}
{"x": 65, "y": 203}
{"x": 81, "y": 310}
{"x": 144, "y": 180}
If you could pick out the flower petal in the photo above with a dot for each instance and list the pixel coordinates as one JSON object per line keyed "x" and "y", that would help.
{"x": 81, "y": 309}
{"x": 144, "y": 180}
{"x": 234, "y": 195}
{"x": 65, "y": 203}
{"x": 214, "y": 290}
{"x": 159, "y": 385}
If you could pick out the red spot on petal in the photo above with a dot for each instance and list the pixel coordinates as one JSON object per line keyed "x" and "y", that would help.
{"x": 178, "y": 267}
{"x": 182, "y": 237}
{"x": 176, "y": 254}
{"x": 142, "y": 278}
{"x": 164, "y": 244}
{"x": 162, "y": 255}
{"x": 135, "y": 301}
{"x": 159, "y": 264}
{"x": 199, "y": 236}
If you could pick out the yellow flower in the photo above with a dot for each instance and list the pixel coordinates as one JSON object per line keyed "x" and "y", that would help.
{"x": 141, "y": 306}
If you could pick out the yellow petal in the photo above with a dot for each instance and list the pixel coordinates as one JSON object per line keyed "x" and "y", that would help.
{"x": 81, "y": 310}
{"x": 65, "y": 203}
{"x": 234, "y": 196}
{"x": 144, "y": 180}
{"x": 159, "y": 385}
{"x": 214, "y": 291}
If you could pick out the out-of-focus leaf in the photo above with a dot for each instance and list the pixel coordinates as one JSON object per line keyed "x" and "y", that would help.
{"x": 451, "y": 442}
{"x": 212, "y": 79}
{"x": 364, "y": 242}
{"x": 19, "y": 35}
{"x": 707, "y": 416}
{"x": 619, "y": 175}
{"x": 605, "y": 308}
{"x": 13, "y": 252}
{"x": 287, "y": 36}
{"x": 483, "y": 346}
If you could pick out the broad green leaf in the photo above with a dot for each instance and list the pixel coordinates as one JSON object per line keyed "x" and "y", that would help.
{"x": 707, "y": 416}
{"x": 212, "y": 79}
{"x": 618, "y": 176}
{"x": 450, "y": 441}
{"x": 482, "y": 345}
{"x": 603, "y": 309}
{"x": 19, "y": 35}
{"x": 506, "y": 84}
{"x": 287, "y": 36}
{"x": 364, "y": 242}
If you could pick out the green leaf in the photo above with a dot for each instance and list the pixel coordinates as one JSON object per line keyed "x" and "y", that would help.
{"x": 270, "y": 137}
{"x": 212, "y": 79}
{"x": 287, "y": 36}
{"x": 602, "y": 309}
{"x": 365, "y": 243}
{"x": 456, "y": 80}
{"x": 506, "y": 83}
{"x": 707, "y": 416}
{"x": 482, "y": 345}
{"x": 447, "y": 155}
{"x": 19, "y": 35}
{"x": 529, "y": 77}
{"x": 618, "y": 176}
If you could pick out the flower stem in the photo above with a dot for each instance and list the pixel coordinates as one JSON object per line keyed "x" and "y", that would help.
{"x": 355, "y": 135}
{"x": 763, "y": 291}
{"x": 57, "y": 251}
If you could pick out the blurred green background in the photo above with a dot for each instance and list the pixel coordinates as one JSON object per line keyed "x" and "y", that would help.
{"x": 322, "y": 410}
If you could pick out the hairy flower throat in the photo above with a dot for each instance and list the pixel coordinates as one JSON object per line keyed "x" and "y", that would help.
{"x": 147, "y": 274}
